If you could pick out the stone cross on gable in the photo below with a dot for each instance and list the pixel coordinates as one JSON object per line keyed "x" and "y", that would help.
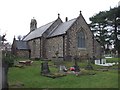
{"x": 58, "y": 15}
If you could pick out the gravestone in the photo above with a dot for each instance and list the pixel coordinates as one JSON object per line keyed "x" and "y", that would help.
{"x": 89, "y": 66}
{"x": 97, "y": 62}
{"x": 62, "y": 69}
{"x": 93, "y": 60}
{"x": 45, "y": 68}
{"x": 57, "y": 63}
{"x": 102, "y": 61}
{"x": 77, "y": 68}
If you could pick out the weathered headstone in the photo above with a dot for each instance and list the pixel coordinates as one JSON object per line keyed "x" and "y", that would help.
{"x": 89, "y": 66}
{"x": 62, "y": 69}
{"x": 102, "y": 61}
{"x": 45, "y": 68}
{"x": 77, "y": 68}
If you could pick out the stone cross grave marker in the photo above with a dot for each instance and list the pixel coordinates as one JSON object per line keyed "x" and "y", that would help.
{"x": 45, "y": 68}
{"x": 77, "y": 68}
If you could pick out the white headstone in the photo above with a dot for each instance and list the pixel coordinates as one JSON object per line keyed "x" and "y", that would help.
{"x": 97, "y": 62}
{"x": 62, "y": 68}
{"x": 103, "y": 61}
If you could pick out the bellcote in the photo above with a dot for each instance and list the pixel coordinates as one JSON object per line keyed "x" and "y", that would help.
{"x": 33, "y": 24}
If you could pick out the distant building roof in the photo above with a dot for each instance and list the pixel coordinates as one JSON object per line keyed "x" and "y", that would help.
{"x": 21, "y": 45}
{"x": 62, "y": 28}
{"x": 38, "y": 32}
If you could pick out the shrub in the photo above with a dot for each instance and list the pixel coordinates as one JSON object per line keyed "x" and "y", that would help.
{"x": 8, "y": 58}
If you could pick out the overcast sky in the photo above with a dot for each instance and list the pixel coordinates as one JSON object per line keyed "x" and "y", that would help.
{"x": 15, "y": 15}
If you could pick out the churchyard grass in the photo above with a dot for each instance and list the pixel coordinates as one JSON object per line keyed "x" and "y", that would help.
{"x": 110, "y": 60}
{"x": 29, "y": 77}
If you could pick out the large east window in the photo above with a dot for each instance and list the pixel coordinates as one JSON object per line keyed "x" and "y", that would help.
{"x": 81, "y": 39}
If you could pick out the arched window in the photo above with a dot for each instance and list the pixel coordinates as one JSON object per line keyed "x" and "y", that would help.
{"x": 81, "y": 39}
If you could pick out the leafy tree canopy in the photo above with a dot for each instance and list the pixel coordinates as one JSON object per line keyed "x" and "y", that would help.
{"x": 106, "y": 25}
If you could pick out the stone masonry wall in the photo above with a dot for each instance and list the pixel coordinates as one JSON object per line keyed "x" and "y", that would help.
{"x": 23, "y": 53}
{"x": 53, "y": 45}
{"x": 35, "y": 48}
{"x": 97, "y": 49}
{"x": 79, "y": 25}
{"x": 45, "y": 34}
{"x": 66, "y": 45}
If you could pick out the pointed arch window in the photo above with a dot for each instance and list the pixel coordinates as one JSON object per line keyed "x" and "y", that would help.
{"x": 81, "y": 39}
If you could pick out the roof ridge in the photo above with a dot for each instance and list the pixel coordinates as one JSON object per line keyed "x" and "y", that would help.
{"x": 20, "y": 40}
{"x": 62, "y": 28}
{"x": 38, "y": 28}
{"x": 53, "y": 30}
{"x": 47, "y": 24}
{"x": 69, "y": 20}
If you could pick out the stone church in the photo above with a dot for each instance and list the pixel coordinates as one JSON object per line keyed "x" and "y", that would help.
{"x": 66, "y": 39}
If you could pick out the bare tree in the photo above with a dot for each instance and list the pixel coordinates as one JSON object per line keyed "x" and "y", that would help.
{"x": 19, "y": 37}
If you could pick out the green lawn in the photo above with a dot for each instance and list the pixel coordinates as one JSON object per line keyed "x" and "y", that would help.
{"x": 29, "y": 77}
{"x": 113, "y": 60}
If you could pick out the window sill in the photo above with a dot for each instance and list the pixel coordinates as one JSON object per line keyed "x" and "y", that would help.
{"x": 82, "y": 48}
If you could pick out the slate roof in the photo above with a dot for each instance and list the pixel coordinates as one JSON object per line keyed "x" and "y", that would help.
{"x": 21, "y": 45}
{"x": 62, "y": 28}
{"x": 38, "y": 32}
{"x": 57, "y": 30}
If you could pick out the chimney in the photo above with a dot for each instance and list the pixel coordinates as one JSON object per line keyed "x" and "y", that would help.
{"x": 66, "y": 19}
